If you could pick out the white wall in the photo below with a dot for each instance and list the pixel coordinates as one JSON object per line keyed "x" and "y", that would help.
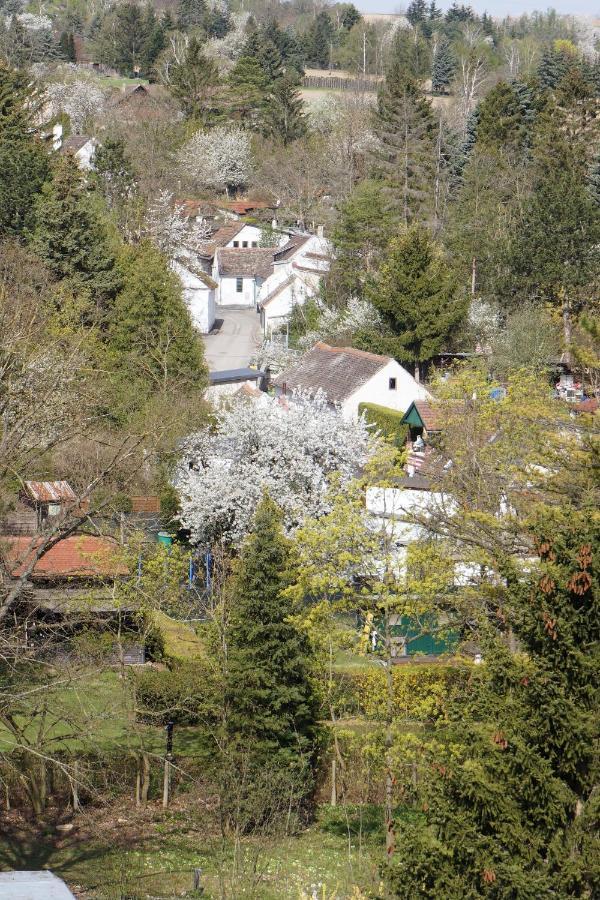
{"x": 250, "y": 233}
{"x": 229, "y": 296}
{"x": 199, "y": 298}
{"x": 399, "y": 504}
{"x": 377, "y": 390}
{"x": 85, "y": 155}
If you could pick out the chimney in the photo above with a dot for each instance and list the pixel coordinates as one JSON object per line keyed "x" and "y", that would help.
{"x": 320, "y": 231}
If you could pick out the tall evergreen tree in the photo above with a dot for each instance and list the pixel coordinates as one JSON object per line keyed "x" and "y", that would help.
{"x": 506, "y": 117}
{"x": 271, "y": 706}
{"x": 510, "y": 798}
{"x": 444, "y": 66}
{"x": 556, "y": 257}
{"x": 415, "y": 294}
{"x": 283, "y": 116}
{"x": 71, "y": 236}
{"x": 149, "y": 328}
{"x": 248, "y": 84}
{"x": 112, "y": 169}
{"x": 23, "y": 158}
{"x": 405, "y": 160}
{"x": 318, "y": 41}
{"x": 360, "y": 236}
{"x": 194, "y": 83}
{"x": 191, "y": 13}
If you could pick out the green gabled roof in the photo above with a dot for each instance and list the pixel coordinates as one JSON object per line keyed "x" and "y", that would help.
{"x": 412, "y": 417}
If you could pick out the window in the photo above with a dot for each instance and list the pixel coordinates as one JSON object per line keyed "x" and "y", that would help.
{"x": 239, "y": 285}
{"x": 392, "y": 384}
{"x": 236, "y": 243}
{"x": 255, "y": 243}
{"x": 244, "y": 243}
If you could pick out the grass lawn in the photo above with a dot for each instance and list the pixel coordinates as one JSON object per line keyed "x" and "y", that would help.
{"x": 155, "y": 857}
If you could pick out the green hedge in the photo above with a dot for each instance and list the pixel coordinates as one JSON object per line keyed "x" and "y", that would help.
{"x": 183, "y": 694}
{"x": 385, "y": 420}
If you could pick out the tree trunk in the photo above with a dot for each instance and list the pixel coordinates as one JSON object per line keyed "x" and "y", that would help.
{"x": 390, "y": 836}
{"x": 145, "y": 778}
{"x": 567, "y": 329}
{"x": 333, "y": 784}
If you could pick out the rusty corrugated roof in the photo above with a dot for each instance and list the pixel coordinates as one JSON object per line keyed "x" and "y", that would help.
{"x": 50, "y": 491}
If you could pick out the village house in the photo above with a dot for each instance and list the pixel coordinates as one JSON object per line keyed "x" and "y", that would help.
{"x": 240, "y": 274}
{"x": 199, "y": 292}
{"x": 349, "y": 377}
{"x": 298, "y": 269}
{"x": 81, "y": 147}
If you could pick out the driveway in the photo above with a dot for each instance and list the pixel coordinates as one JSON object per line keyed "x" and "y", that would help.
{"x": 233, "y": 344}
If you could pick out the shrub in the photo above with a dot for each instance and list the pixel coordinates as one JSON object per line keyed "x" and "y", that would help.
{"x": 385, "y": 420}
{"x": 182, "y": 694}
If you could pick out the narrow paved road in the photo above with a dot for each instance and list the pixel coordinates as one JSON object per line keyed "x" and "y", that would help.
{"x": 234, "y": 344}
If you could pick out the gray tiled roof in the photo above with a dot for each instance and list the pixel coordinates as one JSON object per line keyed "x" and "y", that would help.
{"x": 338, "y": 371}
{"x": 248, "y": 262}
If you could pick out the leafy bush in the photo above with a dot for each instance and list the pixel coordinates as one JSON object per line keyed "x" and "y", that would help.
{"x": 182, "y": 694}
{"x": 385, "y": 420}
{"x": 420, "y": 691}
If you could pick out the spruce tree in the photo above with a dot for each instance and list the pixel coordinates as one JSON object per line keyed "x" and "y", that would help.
{"x": 23, "y": 158}
{"x": 416, "y": 296}
{"x": 270, "y": 700}
{"x": 318, "y": 41}
{"x": 443, "y": 69}
{"x": 509, "y": 796}
{"x": 405, "y": 160}
{"x": 71, "y": 235}
{"x": 194, "y": 83}
{"x": 360, "y": 236}
{"x": 283, "y": 116}
{"x": 113, "y": 171}
{"x": 506, "y": 117}
{"x": 248, "y": 83}
{"x": 555, "y": 252}
{"x": 191, "y": 13}
{"x": 150, "y": 334}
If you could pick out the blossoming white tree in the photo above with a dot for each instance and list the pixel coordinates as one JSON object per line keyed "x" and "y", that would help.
{"x": 166, "y": 226}
{"x": 81, "y": 100}
{"x": 219, "y": 159}
{"x": 289, "y": 450}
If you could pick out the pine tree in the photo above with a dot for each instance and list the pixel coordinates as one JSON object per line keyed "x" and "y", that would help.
{"x": 443, "y": 69}
{"x": 191, "y": 13}
{"x": 149, "y": 330}
{"x": 71, "y": 236}
{"x": 505, "y": 118}
{"x": 405, "y": 160}
{"x": 318, "y": 41}
{"x": 112, "y": 168}
{"x": 416, "y": 12}
{"x": 556, "y": 257}
{"x": 248, "y": 85}
{"x": 194, "y": 83}
{"x": 271, "y": 706}
{"x": 415, "y": 294}
{"x": 552, "y": 68}
{"x": 509, "y": 807}
{"x": 360, "y": 235}
{"x": 23, "y": 159}
{"x": 283, "y": 116}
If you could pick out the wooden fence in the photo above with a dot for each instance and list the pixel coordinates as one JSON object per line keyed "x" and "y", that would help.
{"x": 339, "y": 83}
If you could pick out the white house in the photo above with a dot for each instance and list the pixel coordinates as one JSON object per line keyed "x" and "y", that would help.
{"x": 199, "y": 292}
{"x": 82, "y": 148}
{"x": 298, "y": 268}
{"x": 240, "y": 274}
{"x": 349, "y": 377}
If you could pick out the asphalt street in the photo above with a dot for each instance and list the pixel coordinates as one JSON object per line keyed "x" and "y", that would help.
{"x": 233, "y": 345}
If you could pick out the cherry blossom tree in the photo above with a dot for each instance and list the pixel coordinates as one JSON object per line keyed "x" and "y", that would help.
{"x": 168, "y": 229}
{"x": 219, "y": 159}
{"x": 290, "y": 448}
{"x": 81, "y": 100}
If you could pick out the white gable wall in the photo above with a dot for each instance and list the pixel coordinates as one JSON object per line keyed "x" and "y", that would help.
{"x": 85, "y": 155}
{"x": 199, "y": 298}
{"x": 249, "y": 233}
{"x": 377, "y": 390}
{"x": 230, "y": 296}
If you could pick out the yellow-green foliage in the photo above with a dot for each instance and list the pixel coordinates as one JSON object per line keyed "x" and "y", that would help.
{"x": 180, "y": 641}
{"x": 420, "y": 691}
{"x": 385, "y": 420}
